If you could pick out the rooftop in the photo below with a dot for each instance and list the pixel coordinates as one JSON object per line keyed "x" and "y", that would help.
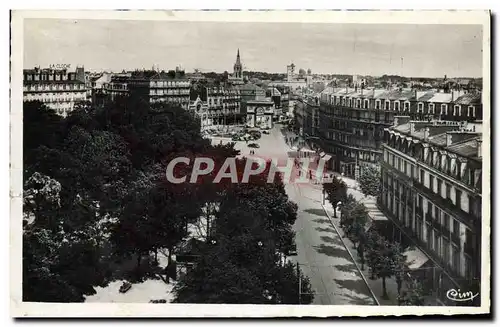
{"x": 464, "y": 142}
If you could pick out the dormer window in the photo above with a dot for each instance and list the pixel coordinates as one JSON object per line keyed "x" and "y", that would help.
{"x": 471, "y": 111}
{"x": 387, "y": 105}
{"x": 444, "y": 109}
{"x": 456, "y": 110}
{"x": 396, "y": 105}
{"x": 420, "y": 107}
{"x": 431, "y": 108}
{"x": 377, "y": 104}
{"x": 367, "y": 103}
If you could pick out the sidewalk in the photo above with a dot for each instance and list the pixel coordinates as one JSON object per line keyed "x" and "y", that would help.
{"x": 374, "y": 285}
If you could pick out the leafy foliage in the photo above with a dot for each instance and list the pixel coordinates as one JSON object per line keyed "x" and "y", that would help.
{"x": 414, "y": 295}
{"x": 369, "y": 180}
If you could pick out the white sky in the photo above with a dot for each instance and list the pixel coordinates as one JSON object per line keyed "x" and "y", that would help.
{"x": 427, "y": 50}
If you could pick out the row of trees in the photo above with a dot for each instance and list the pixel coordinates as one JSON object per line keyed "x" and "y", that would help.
{"x": 383, "y": 258}
{"x": 95, "y": 195}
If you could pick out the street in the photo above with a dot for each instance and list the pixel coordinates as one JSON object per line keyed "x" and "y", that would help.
{"x": 321, "y": 253}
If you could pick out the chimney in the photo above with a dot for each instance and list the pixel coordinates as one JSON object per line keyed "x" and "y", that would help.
{"x": 479, "y": 148}
{"x": 448, "y": 139}
{"x": 426, "y": 133}
{"x": 412, "y": 127}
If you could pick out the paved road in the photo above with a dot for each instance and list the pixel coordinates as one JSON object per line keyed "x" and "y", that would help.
{"x": 321, "y": 254}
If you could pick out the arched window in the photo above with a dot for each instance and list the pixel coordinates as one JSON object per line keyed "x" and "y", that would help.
{"x": 396, "y": 105}
{"x": 420, "y": 108}
{"x": 471, "y": 111}
{"x": 387, "y": 105}
{"x": 444, "y": 109}
{"x": 367, "y": 103}
{"x": 431, "y": 108}
{"x": 407, "y": 106}
{"x": 377, "y": 104}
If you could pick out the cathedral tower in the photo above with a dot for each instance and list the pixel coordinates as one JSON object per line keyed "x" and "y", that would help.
{"x": 238, "y": 67}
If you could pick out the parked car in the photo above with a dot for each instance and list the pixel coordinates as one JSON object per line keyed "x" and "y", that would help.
{"x": 265, "y": 132}
{"x": 235, "y": 138}
{"x": 125, "y": 287}
{"x": 253, "y": 145}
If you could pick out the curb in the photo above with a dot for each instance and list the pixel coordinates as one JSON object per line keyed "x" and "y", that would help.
{"x": 350, "y": 254}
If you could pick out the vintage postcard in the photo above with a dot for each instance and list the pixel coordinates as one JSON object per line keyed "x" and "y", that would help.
{"x": 250, "y": 163}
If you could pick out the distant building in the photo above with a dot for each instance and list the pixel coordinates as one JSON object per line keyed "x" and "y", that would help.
{"x": 260, "y": 113}
{"x": 353, "y": 119}
{"x": 58, "y": 89}
{"x": 431, "y": 177}
{"x": 161, "y": 87}
{"x": 215, "y": 104}
{"x": 237, "y": 76}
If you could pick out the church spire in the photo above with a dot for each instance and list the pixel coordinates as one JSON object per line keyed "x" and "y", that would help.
{"x": 238, "y": 61}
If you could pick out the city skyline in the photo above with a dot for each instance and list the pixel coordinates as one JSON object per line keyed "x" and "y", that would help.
{"x": 376, "y": 49}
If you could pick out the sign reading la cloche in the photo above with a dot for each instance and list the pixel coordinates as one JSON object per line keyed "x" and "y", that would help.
{"x": 59, "y": 66}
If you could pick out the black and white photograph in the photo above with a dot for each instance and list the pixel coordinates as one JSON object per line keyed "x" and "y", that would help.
{"x": 314, "y": 163}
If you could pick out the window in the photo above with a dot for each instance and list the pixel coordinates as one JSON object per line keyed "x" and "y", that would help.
{"x": 420, "y": 107}
{"x": 429, "y": 208}
{"x": 456, "y": 228}
{"x": 406, "y": 167}
{"x": 358, "y": 103}
{"x": 444, "y": 109}
{"x": 455, "y": 259}
{"x": 439, "y": 186}
{"x": 458, "y": 198}
{"x": 377, "y": 104}
{"x": 367, "y": 103}
{"x": 396, "y": 105}
{"x": 448, "y": 191}
{"x": 446, "y": 224}
{"x": 471, "y": 111}
{"x": 431, "y": 182}
{"x": 407, "y": 106}
{"x": 436, "y": 242}
{"x": 422, "y": 176}
{"x": 456, "y": 110}
{"x": 437, "y": 215}
{"x": 431, "y": 108}
{"x": 445, "y": 254}
{"x": 387, "y": 105}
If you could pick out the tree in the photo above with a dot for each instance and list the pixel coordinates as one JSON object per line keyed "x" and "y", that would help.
{"x": 62, "y": 261}
{"x": 336, "y": 192}
{"x": 369, "y": 180}
{"x": 413, "y": 296}
{"x": 356, "y": 222}
{"x": 374, "y": 248}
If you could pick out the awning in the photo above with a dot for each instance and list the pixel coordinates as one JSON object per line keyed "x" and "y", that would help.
{"x": 377, "y": 216}
{"x": 415, "y": 258}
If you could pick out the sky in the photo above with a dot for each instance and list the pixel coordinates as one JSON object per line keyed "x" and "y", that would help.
{"x": 365, "y": 49}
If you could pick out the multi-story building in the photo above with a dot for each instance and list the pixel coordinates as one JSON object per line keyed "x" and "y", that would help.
{"x": 115, "y": 88}
{"x": 431, "y": 177}
{"x": 222, "y": 104}
{"x": 58, "y": 89}
{"x": 161, "y": 87}
{"x": 353, "y": 120}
